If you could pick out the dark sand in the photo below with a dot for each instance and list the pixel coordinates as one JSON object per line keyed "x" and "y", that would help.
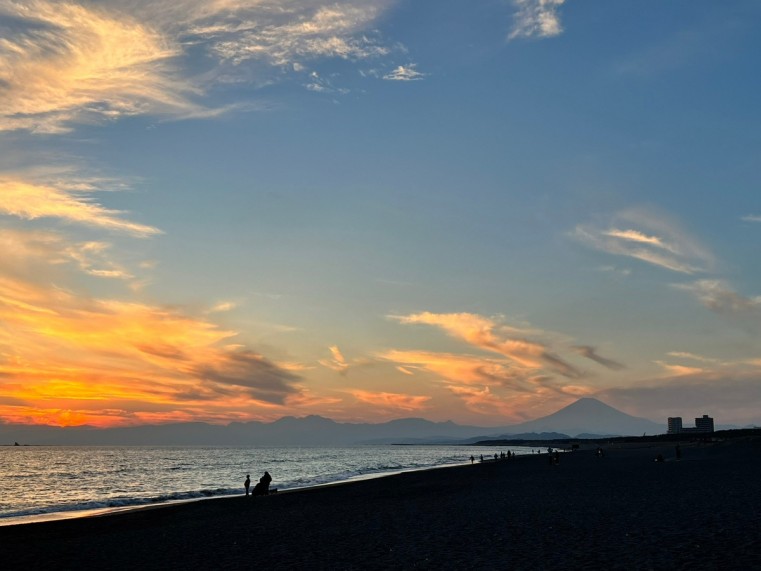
{"x": 623, "y": 511}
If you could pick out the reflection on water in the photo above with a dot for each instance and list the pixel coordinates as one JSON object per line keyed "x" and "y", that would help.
{"x": 52, "y": 481}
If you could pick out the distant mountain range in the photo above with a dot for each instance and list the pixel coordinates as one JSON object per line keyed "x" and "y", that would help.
{"x": 586, "y": 416}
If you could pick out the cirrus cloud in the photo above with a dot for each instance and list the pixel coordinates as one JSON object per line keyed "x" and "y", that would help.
{"x": 72, "y": 63}
{"x": 648, "y": 237}
{"x": 30, "y": 200}
{"x": 69, "y": 63}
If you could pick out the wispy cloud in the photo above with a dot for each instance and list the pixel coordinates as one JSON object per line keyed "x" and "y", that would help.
{"x": 300, "y": 32}
{"x": 718, "y": 296}
{"x": 63, "y": 64}
{"x": 490, "y": 335}
{"x": 638, "y": 237}
{"x": 536, "y": 18}
{"x": 751, "y": 218}
{"x": 592, "y": 354}
{"x": 30, "y": 200}
{"x": 462, "y": 369}
{"x": 691, "y": 356}
{"x": 337, "y": 362}
{"x": 70, "y": 63}
{"x": 617, "y": 272}
{"x": 650, "y": 238}
{"x": 340, "y": 364}
{"x": 404, "y": 73}
{"x": 222, "y": 307}
{"x": 392, "y": 401}
{"x": 679, "y": 370}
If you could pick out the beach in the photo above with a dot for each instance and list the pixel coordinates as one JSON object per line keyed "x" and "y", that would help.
{"x": 621, "y": 511}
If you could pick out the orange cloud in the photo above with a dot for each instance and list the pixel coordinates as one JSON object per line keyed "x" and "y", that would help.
{"x": 392, "y": 400}
{"x": 483, "y": 401}
{"x": 28, "y": 200}
{"x": 78, "y": 63}
{"x": 488, "y": 335}
{"x": 679, "y": 370}
{"x": 502, "y": 378}
{"x": 70, "y": 357}
{"x": 339, "y": 363}
{"x": 462, "y": 369}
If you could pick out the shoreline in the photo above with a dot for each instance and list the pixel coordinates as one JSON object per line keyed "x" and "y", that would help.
{"x": 622, "y": 511}
{"x": 104, "y": 511}
{"x": 66, "y": 515}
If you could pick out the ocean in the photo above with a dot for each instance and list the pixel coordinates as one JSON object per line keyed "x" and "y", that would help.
{"x": 50, "y": 482}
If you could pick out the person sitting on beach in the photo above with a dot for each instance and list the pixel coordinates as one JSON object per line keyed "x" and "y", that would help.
{"x": 263, "y": 487}
{"x": 247, "y": 483}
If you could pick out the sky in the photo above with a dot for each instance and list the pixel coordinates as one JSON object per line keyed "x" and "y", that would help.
{"x": 236, "y": 210}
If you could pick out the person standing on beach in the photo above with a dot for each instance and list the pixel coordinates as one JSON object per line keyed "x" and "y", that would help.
{"x": 247, "y": 483}
{"x": 678, "y": 452}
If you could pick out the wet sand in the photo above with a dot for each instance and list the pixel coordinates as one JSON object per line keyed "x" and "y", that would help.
{"x": 623, "y": 511}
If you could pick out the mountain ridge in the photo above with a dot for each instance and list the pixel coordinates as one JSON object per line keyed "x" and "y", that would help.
{"x": 586, "y": 415}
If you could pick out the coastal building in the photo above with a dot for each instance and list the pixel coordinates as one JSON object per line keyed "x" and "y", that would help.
{"x": 703, "y": 425}
{"x": 675, "y": 424}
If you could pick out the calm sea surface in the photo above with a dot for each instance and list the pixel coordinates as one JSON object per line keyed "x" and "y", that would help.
{"x": 46, "y": 482}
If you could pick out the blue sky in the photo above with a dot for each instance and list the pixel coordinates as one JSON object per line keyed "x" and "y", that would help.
{"x": 237, "y": 210}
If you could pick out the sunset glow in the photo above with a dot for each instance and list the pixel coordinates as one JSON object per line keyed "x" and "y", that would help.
{"x": 240, "y": 210}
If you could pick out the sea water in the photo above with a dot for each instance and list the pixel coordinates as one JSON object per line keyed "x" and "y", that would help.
{"x": 49, "y": 482}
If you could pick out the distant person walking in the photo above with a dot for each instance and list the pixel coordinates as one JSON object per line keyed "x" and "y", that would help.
{"x": 472, "y": 459}
{"x": 247, "y": 483}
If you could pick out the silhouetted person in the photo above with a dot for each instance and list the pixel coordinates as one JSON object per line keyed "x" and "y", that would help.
{"x": 247, "y": 483}
{"x": 472, "y": 459}
{"x": 557, "y": 457}
{"x": 263, "y": 487}
{"x": 678, "y": 452}
{"x": 482, "y": 457}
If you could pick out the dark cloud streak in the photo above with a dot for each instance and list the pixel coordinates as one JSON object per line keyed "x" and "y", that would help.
{"x": 591, "y": 353}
